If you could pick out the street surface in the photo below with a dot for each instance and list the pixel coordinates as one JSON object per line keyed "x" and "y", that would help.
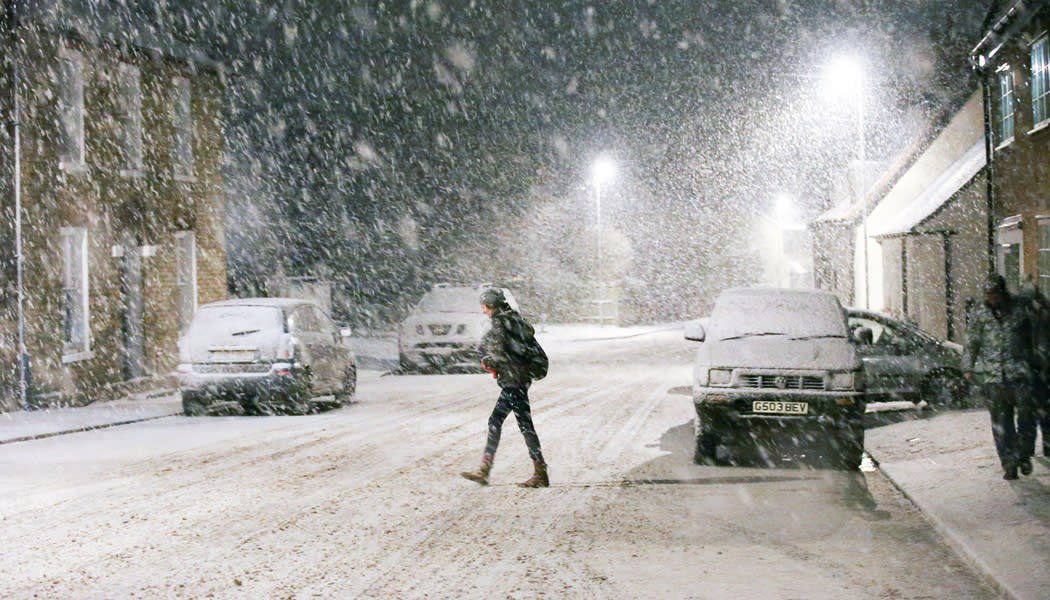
{"x": 365, "y": 502}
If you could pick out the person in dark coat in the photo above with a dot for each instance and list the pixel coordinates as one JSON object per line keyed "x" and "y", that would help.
{"x": 1039, "y": 305}
{"x": 501, "y": 347}
{"x": 999, "y": 358}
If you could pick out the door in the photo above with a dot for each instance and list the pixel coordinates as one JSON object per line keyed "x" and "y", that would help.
{"x": 131, "y": 322}
{"x": 893, "y": 370}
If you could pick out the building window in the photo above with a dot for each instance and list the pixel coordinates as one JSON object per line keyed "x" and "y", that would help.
{"x": 183, "y": 126}
{"x": 186, "y": 276}
{"x": 71, "y": 110}
{"x": 75, "y": 325}
{"x": 1006, "y": 106}
{"x": 1041, "y": 81}
{"x": 1043, "y": 265}
{"x": 1010, "y": 240}
{"x": 130, "y": 84}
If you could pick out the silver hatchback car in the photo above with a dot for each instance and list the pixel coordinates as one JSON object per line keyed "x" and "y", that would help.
{"x": 901, "y": 362}
{"x": 267, "y": 355}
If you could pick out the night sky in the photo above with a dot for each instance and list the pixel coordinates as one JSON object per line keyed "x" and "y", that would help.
{"x": 389, "y": 145}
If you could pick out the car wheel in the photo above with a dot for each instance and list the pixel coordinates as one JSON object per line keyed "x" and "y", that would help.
{"x": 850, "y": 447}
{"x": 407, "y": 366}
{"x": 945, "y": 390}
{"x": 349, "y": 387}
{"x": 708, "y": 438}
{"x": 193, "y": 405}
{"x": 298, "y": 400}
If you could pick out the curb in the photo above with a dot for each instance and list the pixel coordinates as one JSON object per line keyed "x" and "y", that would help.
{"x": 956, "y": 543}
{"x": 40, "y": 436}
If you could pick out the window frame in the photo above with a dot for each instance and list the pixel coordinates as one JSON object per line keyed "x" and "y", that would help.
{"x": 130, "y": 102}
{"x": 182, "y": 128}
{"x": 72, "y": 152}
{"x": 1040, "y": 83}
{"x": 1042, "y": 263}
{"x": 1007, "y": 114}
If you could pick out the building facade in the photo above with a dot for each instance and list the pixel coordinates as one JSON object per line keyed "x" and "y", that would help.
{"x": 1013, "y": 60}
{"x": 112, "y": 192}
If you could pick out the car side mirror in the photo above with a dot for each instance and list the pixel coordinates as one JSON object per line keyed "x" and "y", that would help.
{"x": 694, "y": 331}
{"x": 863, "y": 336}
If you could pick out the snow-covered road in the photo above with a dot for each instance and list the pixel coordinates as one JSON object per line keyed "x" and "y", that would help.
{"x": 364, "y": 502}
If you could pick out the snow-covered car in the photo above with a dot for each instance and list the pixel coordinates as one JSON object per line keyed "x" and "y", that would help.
{"x": 901, "y": 362}
{"x": 268, "y": 355}
{"x": 776, "y": 362}
{"x": 443, "y": 332}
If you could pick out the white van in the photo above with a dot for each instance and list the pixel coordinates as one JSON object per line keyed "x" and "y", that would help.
{"x": 780, "y": 357}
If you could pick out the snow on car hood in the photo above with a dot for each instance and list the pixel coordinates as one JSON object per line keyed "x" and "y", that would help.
{"x": 779, "y": 352}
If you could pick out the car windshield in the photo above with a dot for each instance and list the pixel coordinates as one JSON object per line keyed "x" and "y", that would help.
{"x": 454, "y": 300}
{"x": 223, "y": 322}
{"x": 788, "y": 315}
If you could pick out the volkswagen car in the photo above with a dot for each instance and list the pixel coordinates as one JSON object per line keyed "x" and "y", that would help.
{"x": 265, "y": 355}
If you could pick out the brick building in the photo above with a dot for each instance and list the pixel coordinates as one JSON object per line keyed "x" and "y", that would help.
{"x": 110, "y": 173}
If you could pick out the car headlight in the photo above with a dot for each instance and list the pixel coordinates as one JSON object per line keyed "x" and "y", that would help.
{"x": 719, "y": 376}
{"x": 841, "y": 380}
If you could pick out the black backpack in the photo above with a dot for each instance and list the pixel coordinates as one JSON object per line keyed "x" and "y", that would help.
{"x": 524, "y": 350}
{"x": 535, "y": 359}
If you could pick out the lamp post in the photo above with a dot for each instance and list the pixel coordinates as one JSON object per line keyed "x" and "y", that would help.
{"x": 844, "y": 76}
{"x": 602, "y": 170}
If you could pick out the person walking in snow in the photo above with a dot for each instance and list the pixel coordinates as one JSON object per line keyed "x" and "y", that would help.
{"x": 1039, "y": 306}
{"x": 503, "y": 349}
{"x": 998, "y": 358}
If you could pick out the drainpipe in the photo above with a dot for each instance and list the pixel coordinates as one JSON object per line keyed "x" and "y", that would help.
{"x": 16, "y": 82}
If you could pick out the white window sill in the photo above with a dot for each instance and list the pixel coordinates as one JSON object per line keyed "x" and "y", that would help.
{"x": 77, "y": 357}
{"x": 132, "y": 173}
{"x": 1005, "y": 143}
{"x": 1039, "y": 127}
{"x": 76, "y": 168}
{"x": 184, "y": 178}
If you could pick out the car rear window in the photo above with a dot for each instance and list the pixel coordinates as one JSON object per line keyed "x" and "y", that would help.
{"x": 791, "y": 315}
{"x": 234, "y": 321}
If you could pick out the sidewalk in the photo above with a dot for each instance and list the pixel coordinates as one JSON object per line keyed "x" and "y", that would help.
{"x": 19, "y": 426}
{"x": 948, "y": 467}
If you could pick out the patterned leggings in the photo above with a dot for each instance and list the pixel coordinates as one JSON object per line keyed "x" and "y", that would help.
{"x": 514, "y": 398}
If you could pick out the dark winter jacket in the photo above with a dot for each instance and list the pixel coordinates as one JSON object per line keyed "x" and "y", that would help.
{"x": 503, "y": 342}
{"x": 1001, "y": 346}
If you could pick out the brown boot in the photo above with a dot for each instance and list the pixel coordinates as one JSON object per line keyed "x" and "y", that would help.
{"x": 482, "y": 474}
{"x": 539, "y": 479}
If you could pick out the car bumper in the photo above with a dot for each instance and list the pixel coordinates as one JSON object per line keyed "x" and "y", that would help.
{"x": 225, "y": 379}
{"x": 838, "y": 408}
{"x": 443, "y": 354}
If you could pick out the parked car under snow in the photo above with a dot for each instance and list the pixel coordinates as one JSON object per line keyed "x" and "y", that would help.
{"x": 776, "y": 367}
{"x": 267, "y": 355}
{"x": 901, "y": 362}
{"x": 443, "y": 332}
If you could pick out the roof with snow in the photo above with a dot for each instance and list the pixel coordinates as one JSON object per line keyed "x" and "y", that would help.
{"x": 939, "y": 191}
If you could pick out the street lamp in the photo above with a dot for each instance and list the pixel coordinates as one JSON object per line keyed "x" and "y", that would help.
{"x": 602, "y": 171}
{"x": 844, "y": 76}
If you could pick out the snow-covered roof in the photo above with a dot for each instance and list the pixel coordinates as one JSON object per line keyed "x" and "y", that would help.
{"x": 937, "y": 193}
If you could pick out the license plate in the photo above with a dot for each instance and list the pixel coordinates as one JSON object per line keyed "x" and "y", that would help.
{"x": 778, "y": 407}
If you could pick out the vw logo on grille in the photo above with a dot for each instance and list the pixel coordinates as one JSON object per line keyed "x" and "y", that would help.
{"x": 781, "y": 381}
